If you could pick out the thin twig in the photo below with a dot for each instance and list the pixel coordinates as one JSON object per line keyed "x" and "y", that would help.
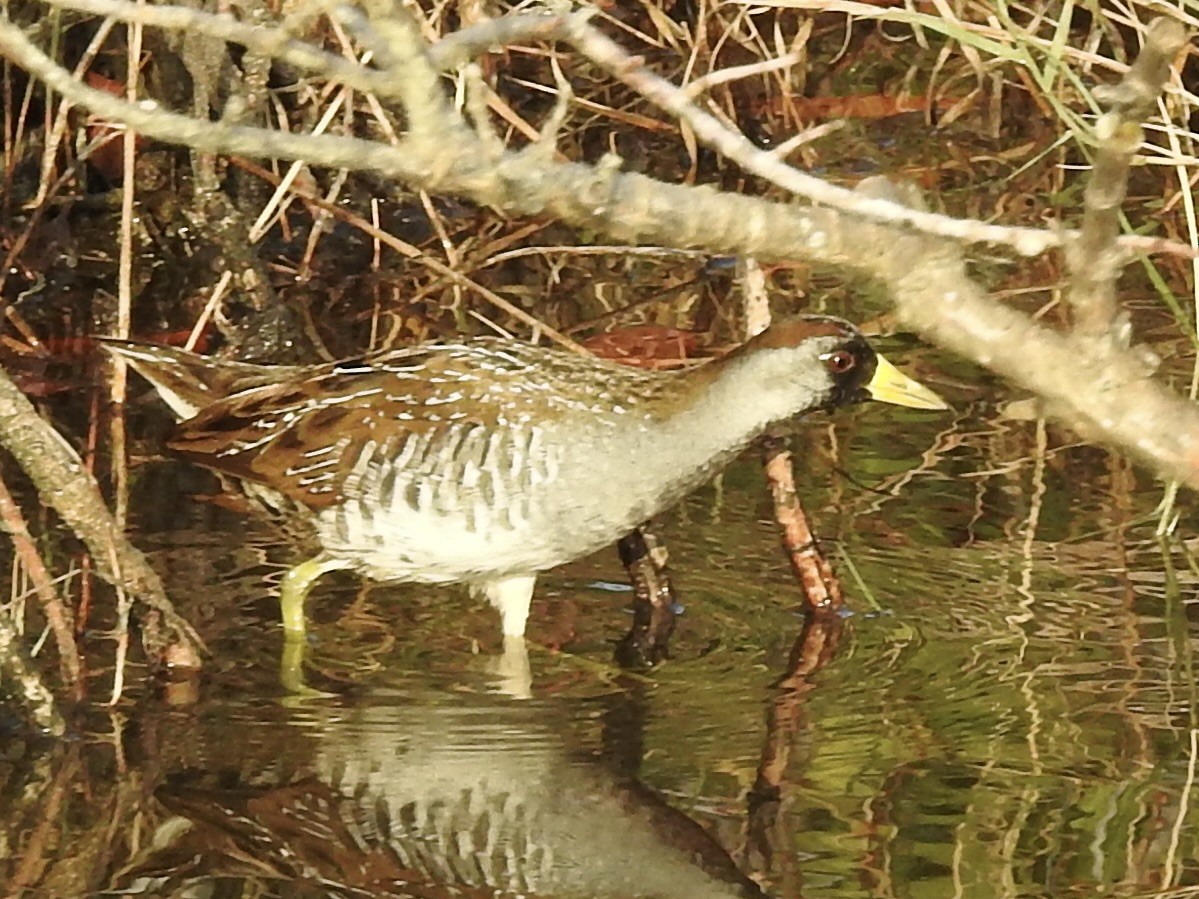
{"x": 734, "y": 73}
{"x": 631, "y": 70}
{"x": 409, "y": 251}
{"x": 57, "y": 613}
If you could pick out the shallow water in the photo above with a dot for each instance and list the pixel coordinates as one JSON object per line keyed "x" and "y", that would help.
{"x": 1009, "y": 710}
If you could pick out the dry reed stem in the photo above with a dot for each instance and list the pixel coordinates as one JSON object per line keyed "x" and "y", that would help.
{"x": 409, "y": 251}
{"x": 56, "y": 611}
{"x": 119, "y": 381}
{"x": 56, "y": 132}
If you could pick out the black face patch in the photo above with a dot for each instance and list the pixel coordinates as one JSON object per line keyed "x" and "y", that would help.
{"x": 851, "y": 366}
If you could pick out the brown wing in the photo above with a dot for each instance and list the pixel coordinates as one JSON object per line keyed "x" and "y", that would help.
{"x": 304, "y": 436}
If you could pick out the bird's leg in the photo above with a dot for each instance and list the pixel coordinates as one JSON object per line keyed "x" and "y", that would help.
{"x": 654, "y": 602}
{"x": 511, "y": 596}
{"x": 512, "y": 669}
{"x": 294, "y": 590}
{"x": 296, "y": 584}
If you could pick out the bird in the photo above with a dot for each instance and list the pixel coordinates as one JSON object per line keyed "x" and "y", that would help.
{"x": 411, "y": 792}
{"x": 488, "y": 461}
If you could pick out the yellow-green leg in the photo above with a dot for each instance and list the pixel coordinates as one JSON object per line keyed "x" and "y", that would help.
{"x": 296, "y": 584}
{"x": 291, "y": 668}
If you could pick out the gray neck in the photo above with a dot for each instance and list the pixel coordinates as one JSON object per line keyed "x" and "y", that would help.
{"x": 738, "y": 403}
{"x": 693, "y": 424}
{"x": 749, "y": 393}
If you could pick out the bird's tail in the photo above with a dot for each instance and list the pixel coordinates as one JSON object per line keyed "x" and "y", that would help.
{"x": 187, "y": 382}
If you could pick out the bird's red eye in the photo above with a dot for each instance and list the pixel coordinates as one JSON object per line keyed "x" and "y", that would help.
{"x": 840, "y": 361}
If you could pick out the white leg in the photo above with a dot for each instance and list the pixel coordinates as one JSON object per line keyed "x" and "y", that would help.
{"x": 511, "y": 596}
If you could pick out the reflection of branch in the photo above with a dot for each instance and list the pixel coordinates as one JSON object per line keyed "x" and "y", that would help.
{"x": 49, "y": 830}
{"x": 813, "y": 649}
{"x": 1106, "y": 396}
{"x": 29, "y": 689}
{"x": 58, "y": 616}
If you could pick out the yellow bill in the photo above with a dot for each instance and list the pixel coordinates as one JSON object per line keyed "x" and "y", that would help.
{"x": 890, "y": 385}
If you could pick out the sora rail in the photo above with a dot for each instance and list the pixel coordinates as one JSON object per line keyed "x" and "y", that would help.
{"x": 488, "y": 461}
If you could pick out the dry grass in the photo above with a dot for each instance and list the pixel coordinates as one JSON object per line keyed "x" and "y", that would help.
{"x": 1008, "y": 89}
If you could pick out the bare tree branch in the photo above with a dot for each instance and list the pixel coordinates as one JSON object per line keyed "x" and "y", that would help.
{"x": 1094, "y": 255}
{"x": 1107, "y": 396}
{"x": 67, "y": 487}
{"x": 396, "y": 42}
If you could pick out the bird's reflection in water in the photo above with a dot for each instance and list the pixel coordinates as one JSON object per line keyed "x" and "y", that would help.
{"x": 438, "y": 795}
{"x": 511, "y": 669}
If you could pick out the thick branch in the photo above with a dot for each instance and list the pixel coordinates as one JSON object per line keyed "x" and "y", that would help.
{"x": 766, "y": 164}
{"x": 394, "y": 40}
{"x": 627, "y": 206}
{"x": 1106, "y": 395}
{"x": 66, "y": 486}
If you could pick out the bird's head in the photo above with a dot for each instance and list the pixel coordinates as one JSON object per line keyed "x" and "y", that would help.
{"x": 826, "y": 362}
